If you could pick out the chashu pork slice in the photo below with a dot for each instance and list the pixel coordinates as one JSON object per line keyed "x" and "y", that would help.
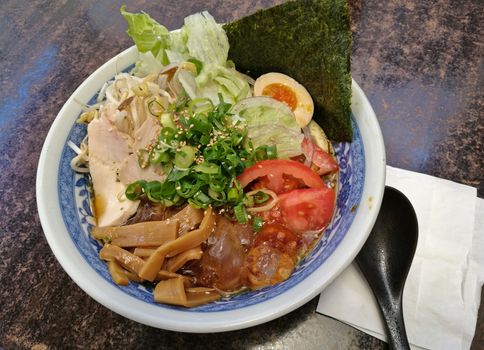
{"x": 108, "y": 149}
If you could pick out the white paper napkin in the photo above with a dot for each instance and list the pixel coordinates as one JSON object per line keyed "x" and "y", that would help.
{"x": 442, "y": 292}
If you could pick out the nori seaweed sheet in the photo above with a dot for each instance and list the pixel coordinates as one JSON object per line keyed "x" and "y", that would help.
{"x": 309, "y": 40}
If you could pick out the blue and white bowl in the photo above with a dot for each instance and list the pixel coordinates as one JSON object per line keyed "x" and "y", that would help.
{"x": 64, "y": 210}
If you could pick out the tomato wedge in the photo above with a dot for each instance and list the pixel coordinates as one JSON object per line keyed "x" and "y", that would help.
{"x": 289, "y": 183}
{"x": 322, "y": 160}
{"x": 274, "y": 169}
{"x": 307, "y": 209}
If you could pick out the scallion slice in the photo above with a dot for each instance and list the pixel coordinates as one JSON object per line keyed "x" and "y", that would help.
{"x": 241, "y": 214}
{"x": 185, "y": 156}
{"x": 257, "y": 223}
{"x": 260, "y": 197}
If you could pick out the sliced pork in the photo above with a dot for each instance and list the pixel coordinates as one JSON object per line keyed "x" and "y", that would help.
{"x": 108, "y": 148}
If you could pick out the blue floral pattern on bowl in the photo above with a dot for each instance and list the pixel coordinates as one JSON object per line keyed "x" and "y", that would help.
{"x": 74, "y": 198}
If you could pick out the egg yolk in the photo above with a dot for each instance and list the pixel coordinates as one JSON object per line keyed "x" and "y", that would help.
{"x": 282, "y": 93}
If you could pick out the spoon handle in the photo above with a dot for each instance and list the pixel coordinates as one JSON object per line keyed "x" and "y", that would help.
{"x": 397, "y": 336}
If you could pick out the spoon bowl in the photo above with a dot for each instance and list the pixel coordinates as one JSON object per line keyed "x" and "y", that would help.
{"x": 386, "y": 257}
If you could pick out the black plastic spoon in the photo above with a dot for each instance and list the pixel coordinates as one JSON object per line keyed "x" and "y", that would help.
{"x": 385, "y": 260}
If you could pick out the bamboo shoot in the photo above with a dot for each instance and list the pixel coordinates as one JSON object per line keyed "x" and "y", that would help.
{"x": 143, "y": 234}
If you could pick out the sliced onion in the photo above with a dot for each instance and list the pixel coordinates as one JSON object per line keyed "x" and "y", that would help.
{"x": 266, "y": 207}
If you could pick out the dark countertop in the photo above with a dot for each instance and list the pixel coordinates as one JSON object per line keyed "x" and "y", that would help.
{"x": 419, "y": 63}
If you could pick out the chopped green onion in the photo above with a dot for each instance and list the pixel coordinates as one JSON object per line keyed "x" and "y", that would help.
{"x": 265, "y": 152}
{"x": 218, "y": 196}
{"x": 257, "y": 223}
{"x": 241, "y": 214}
{"x": 166, "y": 121}
{"x": 187, "y": 188}
{"x": 153, "y": 191}
{"x": 205, "y": 139}
{"x": 185, "y": 157}
{"x": 248, "y": 201}
{"x": 157, "y": 157}
{"x": 155, "y": 108}
{"x": 203, "y": 151}
{"x": 167, "y": 168}
{"x": 135, "y": 190}
{"x": 207, "y": 168}
{"x": 201, "y": 123}
{"x": 233, "y": 195}
{"x": 143, "y": 158}
{"x": 217, "y": 183}
{"x": 271, "y": 152}
{"x": 260, "y": 197}
{"x": 176, "y": 174}
{"x": 200, "y": 200}
{"x": 237, "y": 138}
{"x": 167, "y": 134}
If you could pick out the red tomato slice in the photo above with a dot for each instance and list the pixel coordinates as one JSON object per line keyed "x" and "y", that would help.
{"x": 289, "y": 183}
{"x": 274, "y": 170}
{"x": 307, "y": 209}
{"x": 324, "y": 161}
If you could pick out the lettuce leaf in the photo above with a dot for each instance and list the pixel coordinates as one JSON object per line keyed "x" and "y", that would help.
{"x": 270, "y": 122}
{"x": 202, "y": 39}
{"x": 147, "y": 64}
{"x": 147, "y": 34}
{"x": 207, "y": 41}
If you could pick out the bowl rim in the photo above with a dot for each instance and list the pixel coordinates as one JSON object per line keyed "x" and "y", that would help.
{"x": 94, "y": 285}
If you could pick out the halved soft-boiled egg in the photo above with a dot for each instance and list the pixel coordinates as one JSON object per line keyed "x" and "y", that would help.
{"x": 285, "y": 89}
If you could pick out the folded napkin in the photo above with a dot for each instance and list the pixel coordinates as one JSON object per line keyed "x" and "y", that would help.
{"x": 442, "y": 292}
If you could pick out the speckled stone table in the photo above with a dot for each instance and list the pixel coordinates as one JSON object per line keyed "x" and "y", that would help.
{"x": 418, "y": 62}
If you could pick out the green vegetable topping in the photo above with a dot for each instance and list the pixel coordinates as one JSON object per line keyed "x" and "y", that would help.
{"x": 241, "y": 213}
{"x": 147, "y": 34}
{"x": 185, "y": 156}
{"x": 270, "y": 124}
{"x": 257, "y": 223}
{"x": 202, "y": 150}
{"x": 261, "y": 197}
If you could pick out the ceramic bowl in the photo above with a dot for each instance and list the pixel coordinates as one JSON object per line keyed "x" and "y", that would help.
{"x": 65, "y": 214}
